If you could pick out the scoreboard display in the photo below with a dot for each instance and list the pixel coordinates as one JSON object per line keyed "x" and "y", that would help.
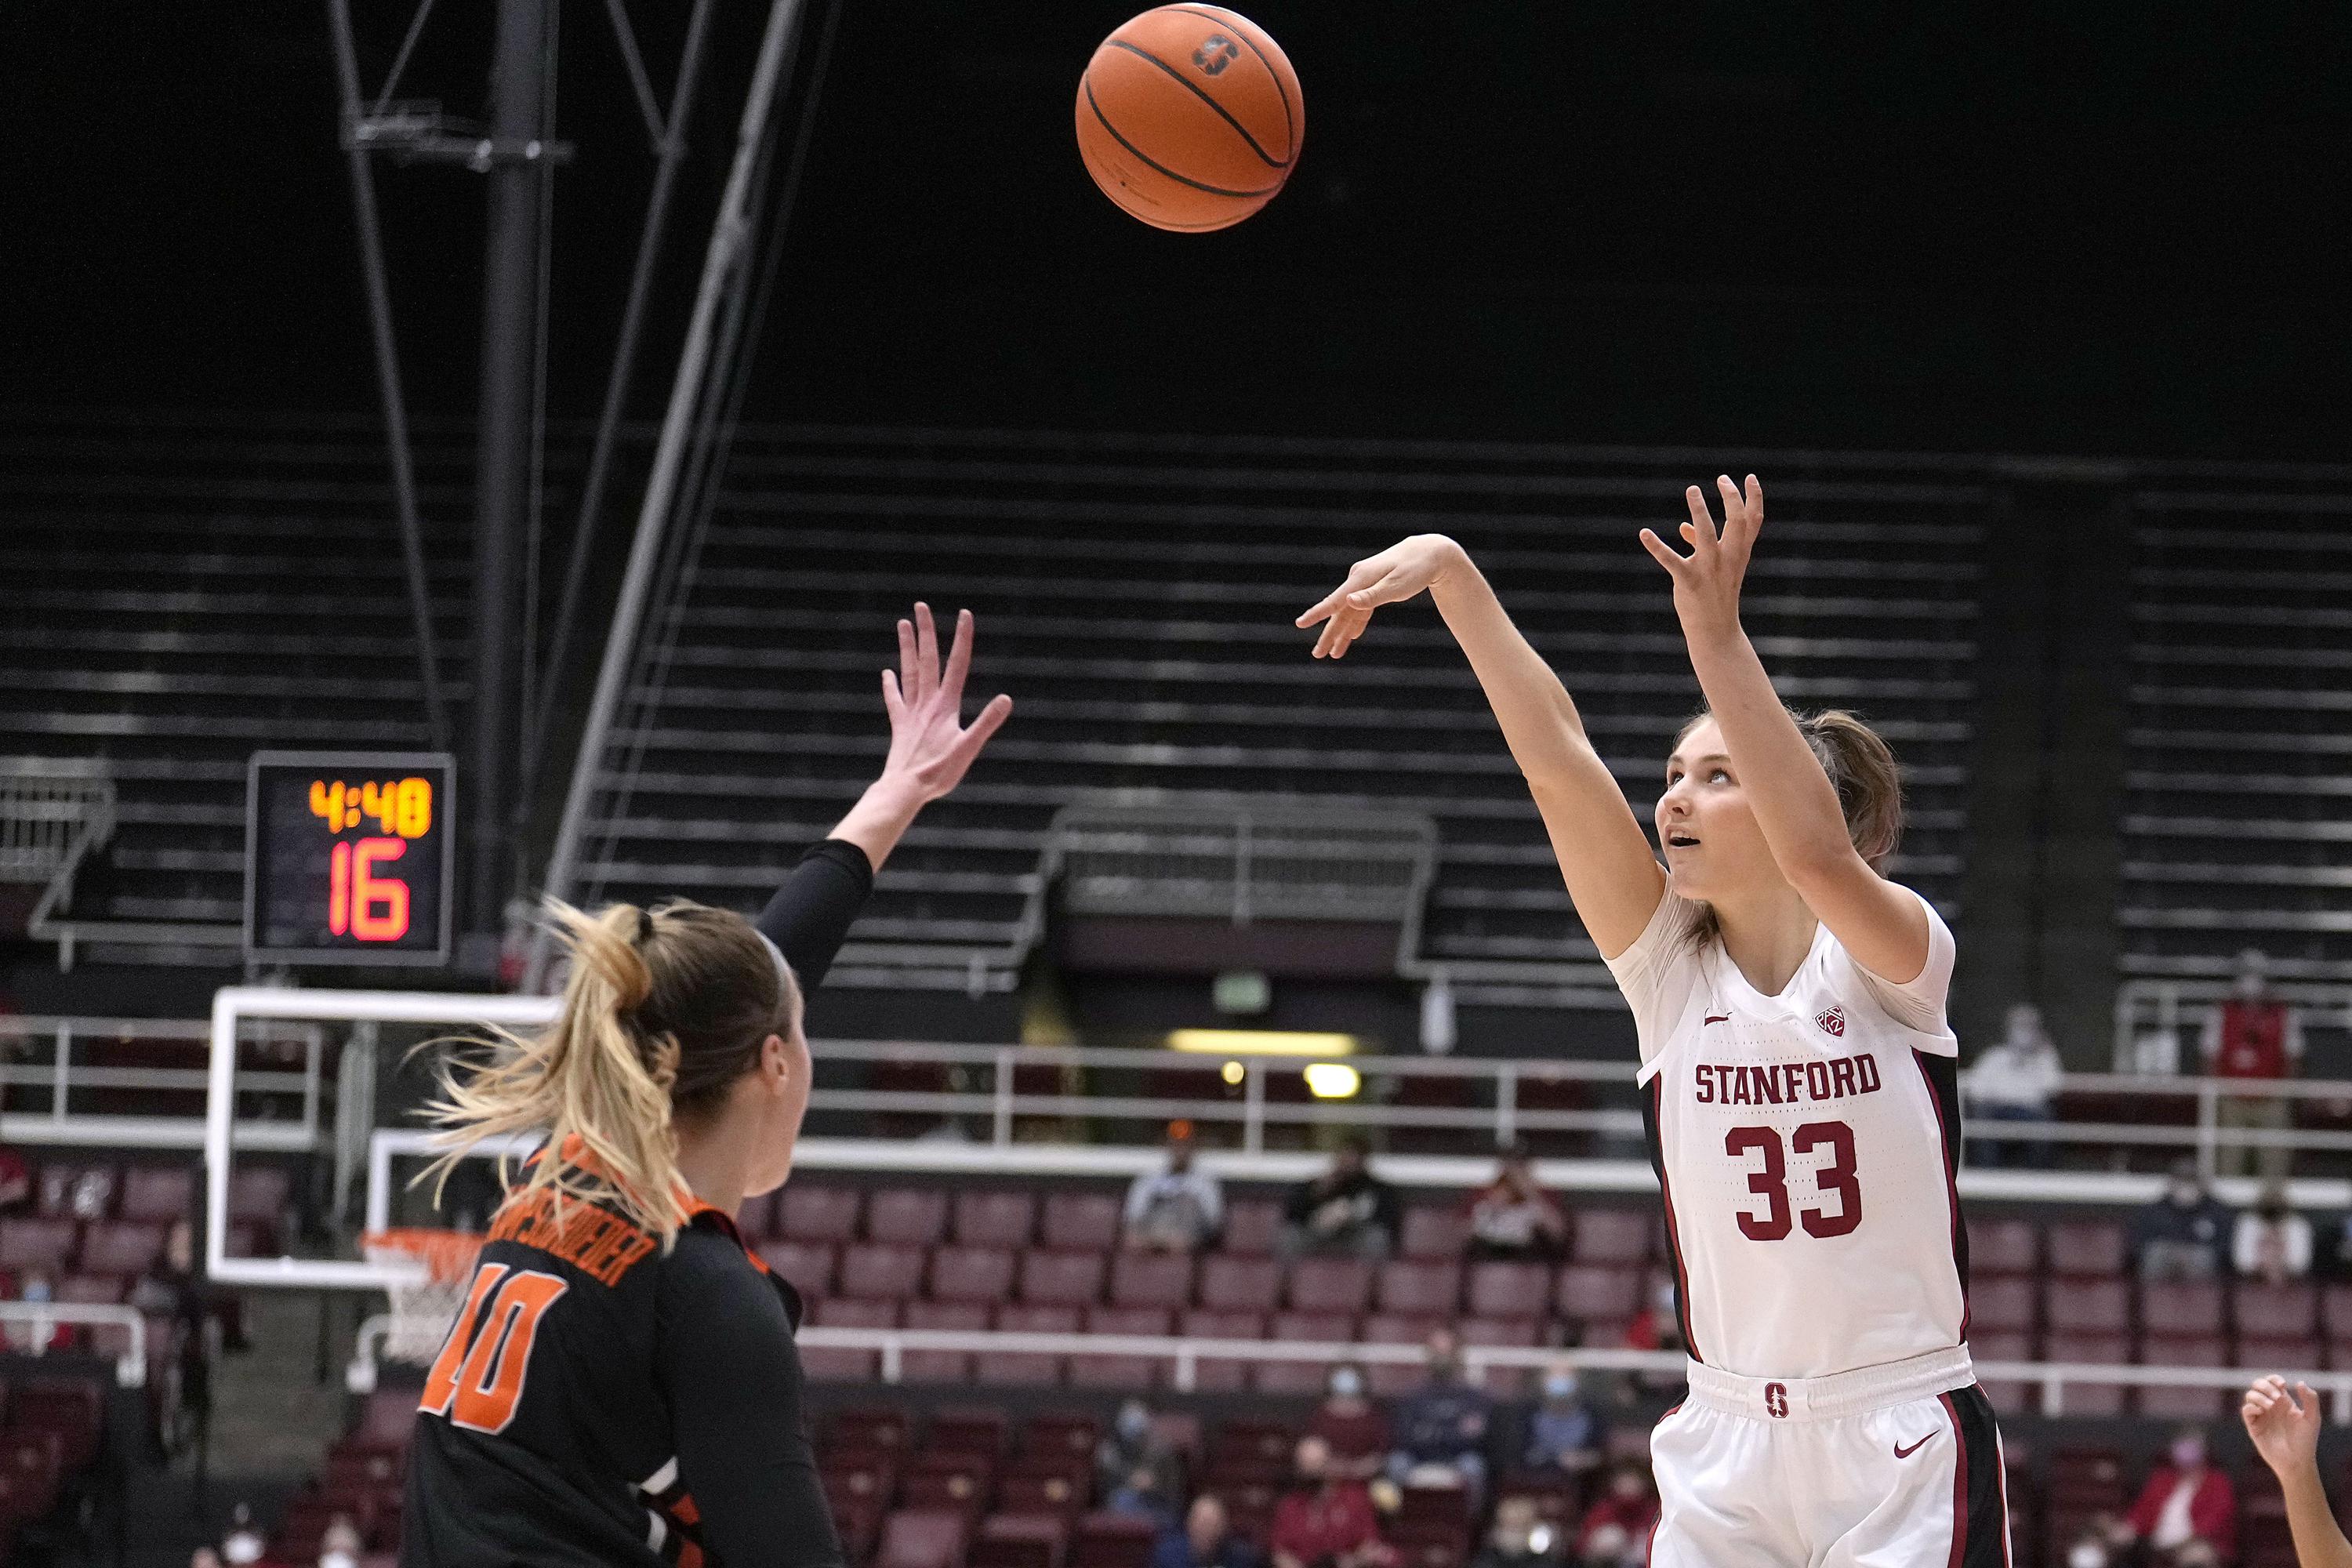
{"x": 350, "y": 856}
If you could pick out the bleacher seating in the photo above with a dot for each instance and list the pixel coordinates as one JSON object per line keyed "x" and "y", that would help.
{"x": 51, "y": 1424}
{"x": 1138, "y": 596}
{"x": 2237, "y": 806}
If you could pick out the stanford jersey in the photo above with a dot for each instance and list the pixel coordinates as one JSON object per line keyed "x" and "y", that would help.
{"x": 1806, "y": 1144}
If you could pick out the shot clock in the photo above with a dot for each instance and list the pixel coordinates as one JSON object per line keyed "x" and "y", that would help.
{"x": 350, "y": 856}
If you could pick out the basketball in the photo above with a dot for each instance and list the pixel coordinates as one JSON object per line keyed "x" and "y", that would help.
{"x": 1190, "y": 118}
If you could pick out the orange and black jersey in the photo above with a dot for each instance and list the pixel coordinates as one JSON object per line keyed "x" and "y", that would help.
{"x": 600, "y": 1401}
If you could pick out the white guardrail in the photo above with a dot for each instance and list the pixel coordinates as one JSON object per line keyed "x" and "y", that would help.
{"x": 45, "y": 1317}
{"x": 37, "y": 1052}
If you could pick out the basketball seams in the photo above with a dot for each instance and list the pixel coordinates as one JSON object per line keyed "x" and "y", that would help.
{"x": 1104, "y": 177}
{"x": 1087, "y": 84}
{"x": 1228, "y": 20}
{"x": 1195, "y": 90}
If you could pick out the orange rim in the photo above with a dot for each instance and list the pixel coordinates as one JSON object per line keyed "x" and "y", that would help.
{"x": 445, "y": 1254}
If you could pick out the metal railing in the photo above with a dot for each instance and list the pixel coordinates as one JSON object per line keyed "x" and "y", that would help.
{"x": 45, "y": 1317}
{"x": 2158, "y": 1022}
{"x": 38, "y": 1052}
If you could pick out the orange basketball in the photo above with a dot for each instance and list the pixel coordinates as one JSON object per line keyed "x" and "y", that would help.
{"x": 1190, "y": 117}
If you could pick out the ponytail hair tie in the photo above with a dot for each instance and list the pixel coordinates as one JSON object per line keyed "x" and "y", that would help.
{"x": 645, "y": 927}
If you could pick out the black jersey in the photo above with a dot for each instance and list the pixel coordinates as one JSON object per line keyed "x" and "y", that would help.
{"x": 602, "y": 1401}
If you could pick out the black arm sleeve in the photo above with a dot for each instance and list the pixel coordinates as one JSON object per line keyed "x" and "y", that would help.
{"x": 811, "y": 912}
{"x": 733, "y": 1379}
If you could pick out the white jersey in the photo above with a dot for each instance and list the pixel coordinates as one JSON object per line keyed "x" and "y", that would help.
{"x": 1807, "y": 1146}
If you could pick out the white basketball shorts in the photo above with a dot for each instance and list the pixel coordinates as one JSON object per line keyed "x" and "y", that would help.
{"x": 1889, "y": 1466}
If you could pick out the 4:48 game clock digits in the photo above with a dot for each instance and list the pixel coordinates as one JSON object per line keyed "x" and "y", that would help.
{"x": 349, "y": 857}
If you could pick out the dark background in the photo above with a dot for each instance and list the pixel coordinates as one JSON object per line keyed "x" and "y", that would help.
{"x": 2096, "y": 229}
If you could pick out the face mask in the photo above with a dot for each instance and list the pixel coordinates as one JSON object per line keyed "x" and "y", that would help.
{"x": 1559, "y": 1388}
{"x": 2185, "y": 1197}
{"x": 241, "y": 1549}
{"x": 38, "y": 1290}
{"x": 2087, "y": 1554}
{"x": 2188, "y": 1453}
{"x": 1347, "y": 1384}
{"x": 338, "y": 1560}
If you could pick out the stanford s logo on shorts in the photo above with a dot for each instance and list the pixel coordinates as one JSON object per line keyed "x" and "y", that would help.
{"x": 1776, "y": 1401}
{"x": 1831, "y": 1021}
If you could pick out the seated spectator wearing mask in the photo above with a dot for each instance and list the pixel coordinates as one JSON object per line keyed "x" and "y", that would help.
{"x": 1323, "y": 1522}
{"x": 1134, "y": 1445}
{"x": 1615, "y": 1532}
{"x": 1207, "y": 1540}
{"x": 1513, "y": 1219}
{"x": 2185, "y": 1517}
{"x": 1346, "y": 1211}
{"x": 1179, "y": 1209}
{"x": 2273, "y": 1242}
{"x": 2185, "y": 1234}
{"x": 1565, "y": 1434}
{"x": 1441, "y": 1431}
{"x": 40, "y": 1335}
{"x": 1351, "y": 1426}
{"x": 2014, "y": 1079}
{"x": 1521, "y": 1538}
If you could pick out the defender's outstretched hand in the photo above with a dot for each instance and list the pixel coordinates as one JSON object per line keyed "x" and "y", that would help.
{"x": 930, "y": 746}
{"x": 2284, "y": 1424}
{"x": 1404, "y": 569}
{"x": 1707, "y": 580}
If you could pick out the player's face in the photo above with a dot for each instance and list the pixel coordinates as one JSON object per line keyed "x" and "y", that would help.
{"x": 1712, "y": 844}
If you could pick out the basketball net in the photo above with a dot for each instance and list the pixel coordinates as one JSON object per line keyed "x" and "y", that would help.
{"x": 428, "y": 1272}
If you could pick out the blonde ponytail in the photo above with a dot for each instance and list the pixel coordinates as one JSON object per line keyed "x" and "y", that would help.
{"x": 663, "y": 1009}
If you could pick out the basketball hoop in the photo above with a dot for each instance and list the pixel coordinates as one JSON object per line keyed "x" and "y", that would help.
{"x": 428, "y": 1272}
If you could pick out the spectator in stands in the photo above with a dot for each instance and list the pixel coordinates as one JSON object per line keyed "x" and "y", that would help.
{"x": 1179, "y": 1209}
{"x": 2013, "y": 1081}
{"x": 1345, "y": 1210}
{"x": 2273, "y": 1242}
{"x": 1512, "y": 1218}
{"x": 1351, "y": 1426}
{"x": 1441, "y": 1431}
{"x": 2186, "y": 1516}
{"x": 1564, "y": 1431}
{"x": 15, "y": 1183}
{"x": 1520, "y": 1538}
{"x": 2185, "y": 1234}
{"x": 1207, "y": 1540}
{"x": 2258, "y": 1037}
{"x": 41, "y": 1334}
{"x": 1616, "y": 1528}
{"x": 1144, "y": 1495}
{"x": 339, "y": 1546}
{"x": 1136, "y": 1443}
{"x": 1323, "y": 1522}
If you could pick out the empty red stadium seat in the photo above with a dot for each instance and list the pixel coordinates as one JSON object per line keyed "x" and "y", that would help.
{"x": 1433, "y": 1231}
{"x": 807, "y": 1266}
{"x": 2004, "y": 1247}
{"x": 1240, "y": 1284}
{"x": 1508, "y": 1291}
{"x": 1409, "y": 1285}
{"x": 124, "y": 1248}
{"x": 1330, "y": 1285}
{"x": 994, "y": 1219}
{"x": 1111, "y": 1541}
{"x": 857, "y": 1313}
{"x": 880, "y": 1427}
{"x": 817, "y": 1212}
{"x": 1054, "y": 1438}
{"x": 1020, "y": 1541}
{"x": 1302, "y": 1377}
{"x": 1062, "y": 1278}
{"x": 1402, "y": 1328}
{"x": 2286, "y": 1353}
{"x": 1252, "y": 1224}
{"x": 972, "y": 1273}
{"x": 848, "y": 1365}
{"x": 2181, "y": 1307}
{"x": 1150, "y": 1279}
{"x": 1121, "y": 1371}
{"x": 2276, "y": 1312}
{"x": 30, "y": 1245}
{"x": 923, "y": 1537}
{"x": 2099, "y": 1348}
{"x": 163, "y": 1193}
{"x": 1024, "y": 1368}
{"x": 2083, "y": 1306}
{"x": 1079, "y": 1222}
{"x": 95, "y": 1289}
{"x": 907, "y": 1215}
{"x": 2205, "y": 1349}
{"x": 2009, "y": 1396}
{"x": 2087, "y": 1246}
{"x": 2004, "y": 1304}
{"x": 1611, "y": 1236}
{"x": 967, "y": 1429}
{"x": 1589, "y": 1292}
{"x": 1221, "y": 1323}
{"x": 941, "y": 1366}
{"x": 1059, "y": 1492}
{"x": 876, "y": 1271}
{"x": 258, "y": 1193}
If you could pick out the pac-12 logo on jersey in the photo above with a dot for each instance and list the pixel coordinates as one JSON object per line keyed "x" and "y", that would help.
{"x": 1831, "y": 1021}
